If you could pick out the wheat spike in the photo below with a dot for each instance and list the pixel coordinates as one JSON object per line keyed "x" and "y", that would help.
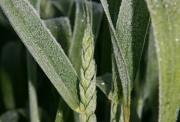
{"x": 88, "y": 78}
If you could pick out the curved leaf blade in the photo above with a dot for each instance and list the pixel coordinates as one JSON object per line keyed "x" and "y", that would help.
{"x": 132, "y": 28}
{"x": 44, "y": 48}
{"x": 119, "y": 59}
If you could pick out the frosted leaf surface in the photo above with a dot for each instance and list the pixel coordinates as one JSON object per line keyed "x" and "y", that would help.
{"x": 166, "y": 24}
{"x": 44, "y": 48}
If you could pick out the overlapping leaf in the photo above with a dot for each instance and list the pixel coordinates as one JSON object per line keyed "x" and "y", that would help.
{"x": 128, "y": 41}
{"x": 44, "y": 48}
{"x": 61, "y": 30}
{"x": 128, "y": 38}
{"x": 79, "y": 28}
{"x": 166, "y": 24}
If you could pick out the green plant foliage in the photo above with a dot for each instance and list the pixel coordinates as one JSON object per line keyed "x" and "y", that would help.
{"x": 61, "y": 30}
{"x": 128, "y": 41}
{"x": 78, "y": 33}
{"x": 89, "y": 61}
{"x": 44, "y": 48}
{"x": 166, "y": 25}
{"x": 79, "y": 28}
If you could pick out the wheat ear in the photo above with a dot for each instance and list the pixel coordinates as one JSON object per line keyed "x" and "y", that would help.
{"x": 87, "y": 84}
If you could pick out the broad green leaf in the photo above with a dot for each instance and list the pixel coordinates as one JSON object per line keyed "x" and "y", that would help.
{"x": 61, "y": 30}
{"x": 166, "y": 24}
{"x": 44, "y": 48}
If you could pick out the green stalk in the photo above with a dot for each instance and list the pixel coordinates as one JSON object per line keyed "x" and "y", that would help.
{"x": 116, "y": 93}
{"x": 33, "y": 105}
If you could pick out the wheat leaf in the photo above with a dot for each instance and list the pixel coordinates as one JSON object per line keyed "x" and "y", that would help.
{"x": 61, "y": 30}
{"x": 32, "y": 78}
{"x": 78, "y": 33}
{"x": 132, "y": 33}
{"x": 128, "y": 40}
{"x": 44, "y": 48}
{"x": 121, "y": 64}
{"x": 166, "y": 24}
{"x": 79, "y": 27}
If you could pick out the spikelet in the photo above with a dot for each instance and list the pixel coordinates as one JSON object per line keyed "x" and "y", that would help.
{"x": 88, "y": 78}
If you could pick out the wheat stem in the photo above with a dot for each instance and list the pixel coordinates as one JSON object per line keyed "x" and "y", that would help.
{"x": 33, "y": 102}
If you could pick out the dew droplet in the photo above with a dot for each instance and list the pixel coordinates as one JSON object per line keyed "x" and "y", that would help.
{"x": 177, "y": 40}
{"x": 102, "y": 83}
{"x": 166, "y": 5}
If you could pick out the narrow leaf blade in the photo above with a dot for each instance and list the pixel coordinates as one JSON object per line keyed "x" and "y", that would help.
{"x": 44, "y": 48}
